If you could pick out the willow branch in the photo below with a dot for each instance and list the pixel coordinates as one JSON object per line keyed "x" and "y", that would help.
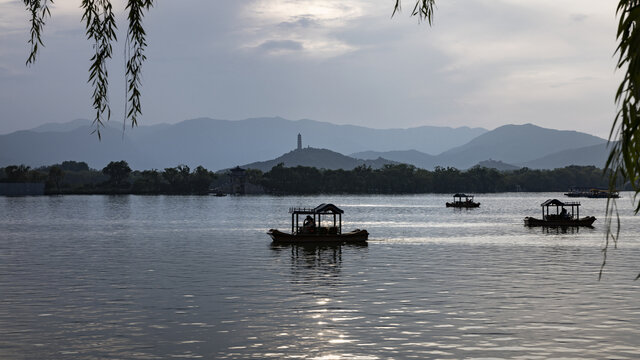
{"x": 423, "y": 9}
{"x": 134, "y": 52}
{"x": 39, "y": 10}
{"x": 623, "y": 162}
{"x": 100, "y": 27}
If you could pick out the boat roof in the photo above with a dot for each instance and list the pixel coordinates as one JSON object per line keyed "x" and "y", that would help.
{"x": 462, "y": 195}
{"x": 320, "y": 209}
{"x": 556, "y": 202}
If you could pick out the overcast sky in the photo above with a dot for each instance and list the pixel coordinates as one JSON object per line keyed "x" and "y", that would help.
{"x": 483, "y": 63}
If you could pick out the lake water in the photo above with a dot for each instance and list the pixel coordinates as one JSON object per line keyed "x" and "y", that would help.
{"x": 157, "y": 277}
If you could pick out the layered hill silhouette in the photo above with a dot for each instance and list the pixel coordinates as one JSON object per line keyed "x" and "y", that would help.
{"x": 260, "y": 142}
{"x": 37, "y": 148}
{"x": 515, "y": 144}
{"x": 413, "y": 157}
{"x": 214, "y": 144}
{"x": 519, "y": 145}
{"x": 595, "y": 155}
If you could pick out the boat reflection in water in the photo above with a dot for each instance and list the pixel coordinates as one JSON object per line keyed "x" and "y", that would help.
{"x": 557, "y": 230}
{"x": 311, "y": 260}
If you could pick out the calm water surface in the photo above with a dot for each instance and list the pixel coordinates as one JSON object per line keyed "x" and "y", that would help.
{"x": 89, "y": 277}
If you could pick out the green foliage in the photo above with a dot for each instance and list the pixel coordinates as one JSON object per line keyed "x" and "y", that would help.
{"x": 624, "y": 160}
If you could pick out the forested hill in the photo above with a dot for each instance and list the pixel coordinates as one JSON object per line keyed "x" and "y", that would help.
{"x": 317, "y": 158}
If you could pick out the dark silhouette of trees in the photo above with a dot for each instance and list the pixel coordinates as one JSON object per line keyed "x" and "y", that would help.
{"x": 118, "y": 172}
{"x": 406, "y": 179}
{"x": 178, "y": 179}
{"x": 55, "y": 177}
{"x": 17, "y": 173}
{"x": 74, "y": 166}
{"x": 118, "y": 178}
{"x": 148, "y": 182}
{"x": 200, "y": 180}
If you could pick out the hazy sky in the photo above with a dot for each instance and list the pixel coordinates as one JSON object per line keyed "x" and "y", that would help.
{"x": 484, "y": 63}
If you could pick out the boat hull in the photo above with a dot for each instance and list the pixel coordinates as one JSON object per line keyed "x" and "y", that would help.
{"x": 353, "y": 237}
{"x": 593, "y": 196}
{"x": 585, "y": 221}
{"x": 463, "y": 204}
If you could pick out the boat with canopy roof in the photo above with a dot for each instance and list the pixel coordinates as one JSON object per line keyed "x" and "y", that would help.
{"x": 322, "y": 224}
{"x": 561, "y": 217}
{"x": 466, "y": 203}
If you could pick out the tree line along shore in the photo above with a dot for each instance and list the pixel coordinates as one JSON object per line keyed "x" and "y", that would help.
{"x": 72, "y": 177}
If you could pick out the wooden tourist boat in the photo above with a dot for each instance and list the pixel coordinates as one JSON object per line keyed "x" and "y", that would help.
{"x": 466, "y": 203}
{"x": 592, "y": 193}
{"x": 313, "y": 229}
{"x": 561, "y": 217}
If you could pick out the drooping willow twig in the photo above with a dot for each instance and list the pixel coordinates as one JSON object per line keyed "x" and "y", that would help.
{"x": 423, "y": 9}
{"x": 39, "y": 10}
{"x": 623, "y": 162}
{"x": 134, "y": 52}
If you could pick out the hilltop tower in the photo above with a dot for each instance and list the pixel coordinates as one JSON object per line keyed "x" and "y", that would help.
{"x": 299, "y": 141}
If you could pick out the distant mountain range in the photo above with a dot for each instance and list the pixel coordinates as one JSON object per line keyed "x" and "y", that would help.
{"x": 589, "y": 155}
{"x": 260, "y": 143}
{"x": 516, "y": 145}
{"x": 214, "y": 144}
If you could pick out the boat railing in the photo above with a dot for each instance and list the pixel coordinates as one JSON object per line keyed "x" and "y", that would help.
{"x": 571, "y": 203}
{"x": 556, "y": 217}
{"x": 301, "y": 210}
{"x": 566, "y": 203}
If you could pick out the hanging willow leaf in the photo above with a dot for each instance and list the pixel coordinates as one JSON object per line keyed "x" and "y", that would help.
{"x": 624, "y": 159}
{"x": 623, "y": 162}
{"x": 101, "y": 27}
{"x": 39, "y": 10}
{"x": 134, "y": 52}
{"x": 423, "y": 9}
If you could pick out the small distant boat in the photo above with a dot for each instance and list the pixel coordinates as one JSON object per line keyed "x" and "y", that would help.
{"x": 313, "y": 229}
{"x": 217, "y": 192}
{"x": 561, "y": 217}
{"x": 592, "y": 193}
{"x": 466, "y": 203}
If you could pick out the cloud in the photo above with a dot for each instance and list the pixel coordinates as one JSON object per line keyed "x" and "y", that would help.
{"x": 279, "y": 45}
{"x": 579, "y": 17}
{"x": 482, "y": 63}
{"x": 310, "y": 23}
{"x": 303, "y": 21}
